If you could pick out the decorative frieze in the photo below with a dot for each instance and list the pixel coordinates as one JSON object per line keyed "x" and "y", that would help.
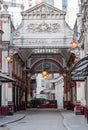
{"x": 43, "y": 11}
{"x": 41, "y": 42}
{"x": 43, "y": 27}
{"x": 50, "y": 31}
{"x": 16, "y": 34}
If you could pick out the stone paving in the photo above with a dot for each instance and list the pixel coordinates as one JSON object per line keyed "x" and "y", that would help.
{"x": 74, "y": 122}
{"x": 70, "y": 120}
{"x": 11, "y": 118}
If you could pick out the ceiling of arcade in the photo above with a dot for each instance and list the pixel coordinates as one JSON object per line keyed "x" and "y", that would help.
{"x": 43, "y": 36}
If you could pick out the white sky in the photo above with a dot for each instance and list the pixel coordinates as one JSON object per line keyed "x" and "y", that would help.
{"x": 71, "y": 11}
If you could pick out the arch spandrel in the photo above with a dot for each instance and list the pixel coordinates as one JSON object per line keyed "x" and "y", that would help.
{"x": 43, "y": 57}
{"x": 50, "y": 65}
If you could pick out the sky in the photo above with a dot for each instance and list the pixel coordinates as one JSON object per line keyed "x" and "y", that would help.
{"x": 72, "y": 11}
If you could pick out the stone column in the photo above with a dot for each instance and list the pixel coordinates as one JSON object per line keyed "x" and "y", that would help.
{"x": 65, "y": 90}
{"x": 28, "y": 92}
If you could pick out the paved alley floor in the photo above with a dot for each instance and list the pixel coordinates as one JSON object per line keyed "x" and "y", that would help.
{"x": 44, "y": 119}
{"x": 39, "y": 120}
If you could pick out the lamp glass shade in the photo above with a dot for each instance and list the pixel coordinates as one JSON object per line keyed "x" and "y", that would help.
{"x": 44, "y": 73}
{"x": 8, "y": 58}
{"x": 74, "y": 44}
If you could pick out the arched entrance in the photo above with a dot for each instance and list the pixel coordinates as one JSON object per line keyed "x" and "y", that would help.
{"x": 43, "y": 39}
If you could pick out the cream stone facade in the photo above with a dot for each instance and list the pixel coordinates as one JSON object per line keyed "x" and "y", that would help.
{"x": 43, "y": 26}
{"x": 81, "y": 67}
{"x": 6, "y": 26}
{"x": 44, "y": 30}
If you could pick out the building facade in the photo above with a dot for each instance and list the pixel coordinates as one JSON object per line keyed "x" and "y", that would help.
{"x": 34, "y": 33}
{"x": 79, "y": 72}
{"x": 46, "y": 23}
{"x": 11, "y": 89}
{"x": 15, "y": 7}
{"x": 5, "y": 88}
{"x": 84, "y": 42}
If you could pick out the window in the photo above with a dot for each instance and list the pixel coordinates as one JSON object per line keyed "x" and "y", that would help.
{"x": 42, "y": 83}
{"x": 64, "y": 4}
{"x": 13, "y": 3}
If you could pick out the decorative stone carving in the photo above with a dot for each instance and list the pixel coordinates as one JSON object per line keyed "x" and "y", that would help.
{"x": 36, "y": 32}
{"x": 43, "y": 27}
{"x": 17, "y": 34}
{"x": 36, "y": 42}
{"x": 43, "y": 11}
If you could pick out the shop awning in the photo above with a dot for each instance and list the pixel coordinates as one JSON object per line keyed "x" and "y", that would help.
{"x": 78, "y": 78}
{"x": 4, "y": 78}
{"x": 80, "y": 71}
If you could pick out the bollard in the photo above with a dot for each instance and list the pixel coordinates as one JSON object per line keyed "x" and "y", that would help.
{"x": 77, "y": 109}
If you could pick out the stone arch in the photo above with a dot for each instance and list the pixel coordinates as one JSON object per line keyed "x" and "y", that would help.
{"x": 54, "y": 66}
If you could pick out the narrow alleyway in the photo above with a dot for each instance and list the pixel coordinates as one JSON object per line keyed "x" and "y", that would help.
{"x": 39, "y": 120}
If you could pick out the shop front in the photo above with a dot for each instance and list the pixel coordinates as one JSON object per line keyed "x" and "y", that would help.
{"x": 79, "y": 73}
{"x": 4, "y": 110}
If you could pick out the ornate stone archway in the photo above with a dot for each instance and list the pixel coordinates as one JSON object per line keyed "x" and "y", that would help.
{"x": 43, "y": 31}
{"x": 43, "y": 38}
{"x": 38, "y": 62}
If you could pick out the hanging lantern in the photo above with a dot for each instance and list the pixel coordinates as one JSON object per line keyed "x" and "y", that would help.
{"x": 44, "y": 73}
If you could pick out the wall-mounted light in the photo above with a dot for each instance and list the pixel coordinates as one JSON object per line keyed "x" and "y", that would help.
{"x": 9, "y": 58}
{"x": 11, "y": 52}
{"x": 74, "y": 44}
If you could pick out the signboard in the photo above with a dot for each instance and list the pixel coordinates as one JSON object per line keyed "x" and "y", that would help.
{"x": 78, "y": 84}
{"x": 79, "y": 78}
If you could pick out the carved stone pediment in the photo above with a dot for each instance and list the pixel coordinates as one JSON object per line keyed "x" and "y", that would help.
{"x": 43, "y": 11}
{"x": 36, "y": 31}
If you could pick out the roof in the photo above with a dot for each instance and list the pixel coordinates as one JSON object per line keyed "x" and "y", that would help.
{"x": 4, "y": 78}
{"x": 43, "y": 4}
